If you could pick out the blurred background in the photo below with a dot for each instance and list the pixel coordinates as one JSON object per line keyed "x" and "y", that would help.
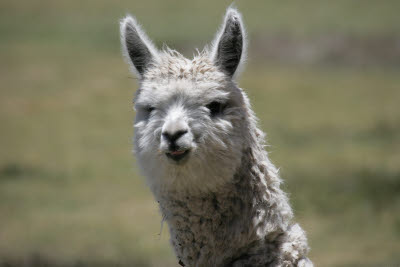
{"x": 323, "y": 77}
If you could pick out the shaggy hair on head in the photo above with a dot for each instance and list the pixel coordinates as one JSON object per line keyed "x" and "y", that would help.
{"x": 198, "y": 144}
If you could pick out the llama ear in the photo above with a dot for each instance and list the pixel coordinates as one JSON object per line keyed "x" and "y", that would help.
{"x": 229, "y": 44}
{"x": 136, "y": 46}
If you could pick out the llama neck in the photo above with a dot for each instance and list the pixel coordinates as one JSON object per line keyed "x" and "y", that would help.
{"x": 249, "y": 207}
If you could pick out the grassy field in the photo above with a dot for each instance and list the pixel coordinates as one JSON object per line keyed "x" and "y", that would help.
{"x": 70, "y": 192}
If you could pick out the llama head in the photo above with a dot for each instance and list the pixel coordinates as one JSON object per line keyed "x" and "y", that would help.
{"x": 192, "y": 121}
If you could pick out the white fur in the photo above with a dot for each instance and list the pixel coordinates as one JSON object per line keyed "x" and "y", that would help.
{"x": 223, "y": 203}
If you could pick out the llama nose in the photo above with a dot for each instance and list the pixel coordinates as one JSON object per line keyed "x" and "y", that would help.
{"x": 174, "y": 128}
{"x": 172, "y": 137}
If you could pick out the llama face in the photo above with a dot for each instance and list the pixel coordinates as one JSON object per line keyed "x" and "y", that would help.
{"x": 190, "y": 125}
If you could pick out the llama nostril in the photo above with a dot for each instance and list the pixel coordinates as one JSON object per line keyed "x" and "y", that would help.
{"x": 174, "y": 136}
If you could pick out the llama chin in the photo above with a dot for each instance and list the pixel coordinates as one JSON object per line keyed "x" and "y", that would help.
{"x": 198, "y": 145}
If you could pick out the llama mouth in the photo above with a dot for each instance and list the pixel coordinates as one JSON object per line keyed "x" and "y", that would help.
{"x": 177, "y": 155}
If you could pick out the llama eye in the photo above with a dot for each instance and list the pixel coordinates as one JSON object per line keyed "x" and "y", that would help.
{"x": 215, "y": 108}
{"x": 149, "y": 109}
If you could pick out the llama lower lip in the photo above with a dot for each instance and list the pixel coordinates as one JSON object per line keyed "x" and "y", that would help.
{"x": 177, "y": 155}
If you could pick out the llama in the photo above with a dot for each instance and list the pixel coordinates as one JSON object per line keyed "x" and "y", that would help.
{"x": 197, "y": 142}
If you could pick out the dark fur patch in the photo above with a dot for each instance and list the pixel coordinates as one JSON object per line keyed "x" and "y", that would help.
{"x": 230, "y": 46}
{"x": 137, "y": 49}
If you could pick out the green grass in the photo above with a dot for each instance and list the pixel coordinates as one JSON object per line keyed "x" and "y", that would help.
{"x": 70, "y": 192}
